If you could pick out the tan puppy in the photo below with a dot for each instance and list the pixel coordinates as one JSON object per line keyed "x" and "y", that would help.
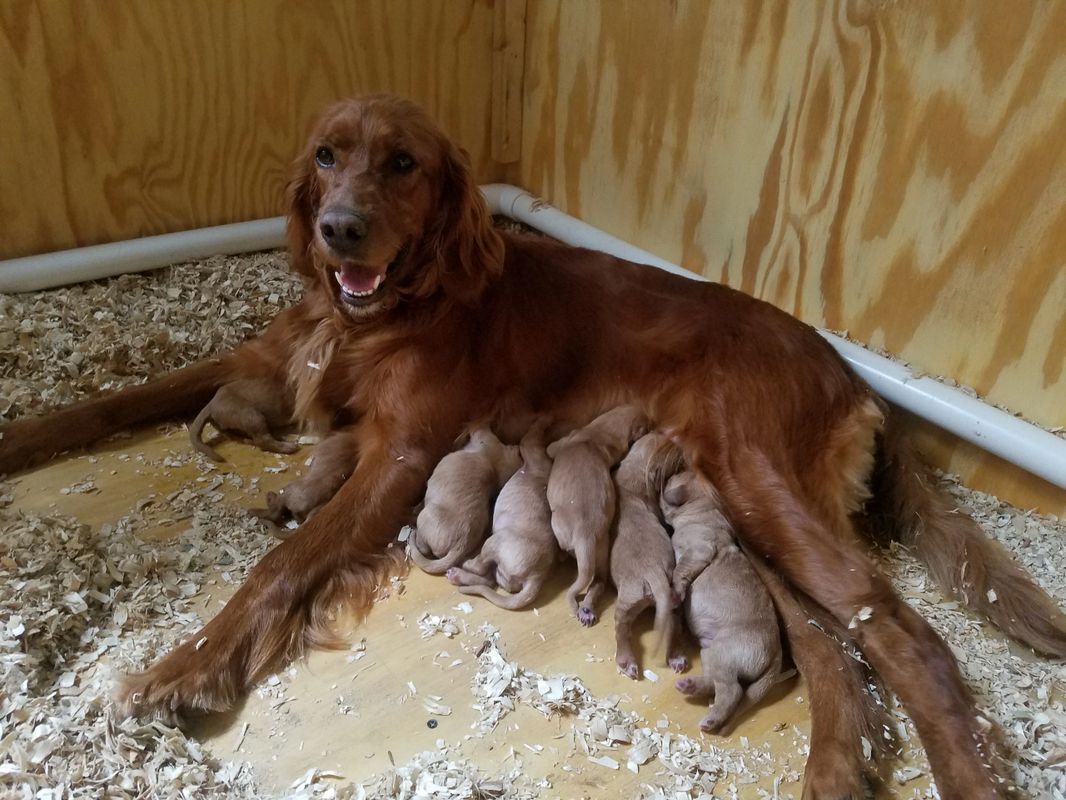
{"x": 521, "y": 551}
{"x": 642, "y": 559}
{"x": 459, "y": 495}
{"x": 332, "y": 462}
{"x": 252, "y": 407}
{"x": 582, "y": 499}
{"x": 728, "y": 608}
{"x": 691, "y": 508}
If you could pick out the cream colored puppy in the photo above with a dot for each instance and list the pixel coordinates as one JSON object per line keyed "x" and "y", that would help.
{"x": 727, "y": 608}
{"x": 458, "y": 504}
{"x": 520, "y": 553}
{"x": 582, "y": 499}
{"x": 642, "y": 558}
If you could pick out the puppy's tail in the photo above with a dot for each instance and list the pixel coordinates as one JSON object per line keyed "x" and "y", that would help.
{"x": 433, "y": 566}
{"x": 196, "y": 434}
{"x": 965, "y": 562}
{"x": 31, "y": 440}
{"x": 512, "y": 602}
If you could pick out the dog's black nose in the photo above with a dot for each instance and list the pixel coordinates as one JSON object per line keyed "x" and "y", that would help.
{"x": 342, "y": 228}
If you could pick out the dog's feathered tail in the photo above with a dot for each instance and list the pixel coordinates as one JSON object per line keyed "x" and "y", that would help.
{"x": 963, "y": 560}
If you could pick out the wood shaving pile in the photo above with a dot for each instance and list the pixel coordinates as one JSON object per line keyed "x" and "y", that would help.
{"x": 440, "y": 776}
{"x": 60, "y": 344}
{"x": 613, "y": 737}
{"x": 79, "y": 605}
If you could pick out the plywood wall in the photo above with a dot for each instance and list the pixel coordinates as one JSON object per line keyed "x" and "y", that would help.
{"x": 894, "y": 169}
{"x": 121, "y": 119}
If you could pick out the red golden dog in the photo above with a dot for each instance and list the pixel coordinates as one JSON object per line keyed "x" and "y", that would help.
{"x": 425, "y": 320}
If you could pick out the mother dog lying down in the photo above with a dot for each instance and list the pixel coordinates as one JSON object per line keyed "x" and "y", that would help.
{"x": 424, "y": 320}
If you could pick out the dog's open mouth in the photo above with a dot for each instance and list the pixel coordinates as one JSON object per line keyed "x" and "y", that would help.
{"x": 359, "y": 283}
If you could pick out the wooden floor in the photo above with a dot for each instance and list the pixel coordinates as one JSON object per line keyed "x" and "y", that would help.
{"x": 356, "y": 717}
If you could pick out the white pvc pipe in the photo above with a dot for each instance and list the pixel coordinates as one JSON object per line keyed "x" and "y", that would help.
{"x": 61, "y": 268}
{"x": 1010, "y": 438}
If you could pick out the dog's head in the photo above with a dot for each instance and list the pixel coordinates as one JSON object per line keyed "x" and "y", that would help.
{"x": 383, "y": 210}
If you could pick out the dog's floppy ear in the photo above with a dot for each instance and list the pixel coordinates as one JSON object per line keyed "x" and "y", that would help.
{"x": 468, "y": 250}
{"x": 301, "y": 196}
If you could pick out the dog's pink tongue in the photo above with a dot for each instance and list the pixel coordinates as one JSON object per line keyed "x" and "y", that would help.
{"x": 358, "y": 278}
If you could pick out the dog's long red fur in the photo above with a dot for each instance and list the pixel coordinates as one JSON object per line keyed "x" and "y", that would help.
{"x": 473, "y": 325}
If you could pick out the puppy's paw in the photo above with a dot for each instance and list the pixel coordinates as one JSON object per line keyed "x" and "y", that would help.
{"x": 711, "y": 723}
{"x": 453, "y": 576}
{"x": 629, "y": 668}
{"x": 586, "y": 616}
{"x": 678, "y": 663}
{"x": 688, "y": 686}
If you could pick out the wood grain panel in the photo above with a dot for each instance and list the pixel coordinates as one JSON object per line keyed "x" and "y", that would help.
{"x": 122, "y": 119}
{"x": 893, "y": 169}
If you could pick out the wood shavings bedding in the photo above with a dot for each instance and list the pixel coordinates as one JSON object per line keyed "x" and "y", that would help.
{"x": 76, "y": 603}
{"x": 60, "y": 344}
{"x": 612, "y": 737}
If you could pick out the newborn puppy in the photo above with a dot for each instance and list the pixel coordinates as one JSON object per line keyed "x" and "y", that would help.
{"x": 728, "y": 608}
{"x": 521, "y": 551}
{"x": 581, "y": 496}
{"x": 691, "y": 508}
{"x": 251, "y": 407}
{"x": 459, "y": 497}
{"x": 642, "y": 559}
{"x": 332, "y": 462}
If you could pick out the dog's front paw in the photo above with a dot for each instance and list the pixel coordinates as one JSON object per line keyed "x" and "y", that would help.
{"x": 629, "y": 668}
{"x": 586, "y": 616}
{"x": 185, "y": 684}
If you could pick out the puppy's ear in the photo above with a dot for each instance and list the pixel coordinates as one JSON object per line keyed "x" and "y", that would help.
{"x": 301, "y": 200}
{"x": 676, "y": 492}
{"x": 468, "y": 250}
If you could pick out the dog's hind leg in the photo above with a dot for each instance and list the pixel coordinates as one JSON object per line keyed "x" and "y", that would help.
{"x": 843, "y": 712}
{"x": 627, "y": 609}
{"x": 777, "y": 522}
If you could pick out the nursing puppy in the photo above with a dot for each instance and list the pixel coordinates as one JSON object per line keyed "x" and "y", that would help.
{"x": 727, "y": 608}
{"x": 582, "y": 499}
{"x": 332, "y": 463}
{"x": 459, "y": 495}
{"x": 693, "y": 512}
{"x": 521, "y": 551}
{"x": 642, "y": 558}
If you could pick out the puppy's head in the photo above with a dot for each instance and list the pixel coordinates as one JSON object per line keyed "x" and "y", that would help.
{"x": 679, "y": 490}
{"x": 383, "y": 210}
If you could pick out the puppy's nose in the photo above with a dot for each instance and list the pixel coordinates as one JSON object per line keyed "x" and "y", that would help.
{"x": 342, "y": 228}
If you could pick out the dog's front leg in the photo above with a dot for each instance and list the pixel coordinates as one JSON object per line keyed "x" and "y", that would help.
{"x": 339, "y": 556}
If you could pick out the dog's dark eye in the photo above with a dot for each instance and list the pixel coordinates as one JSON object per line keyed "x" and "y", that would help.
{"x": 402, "y": 162}
{"x": 324, "y": 157}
